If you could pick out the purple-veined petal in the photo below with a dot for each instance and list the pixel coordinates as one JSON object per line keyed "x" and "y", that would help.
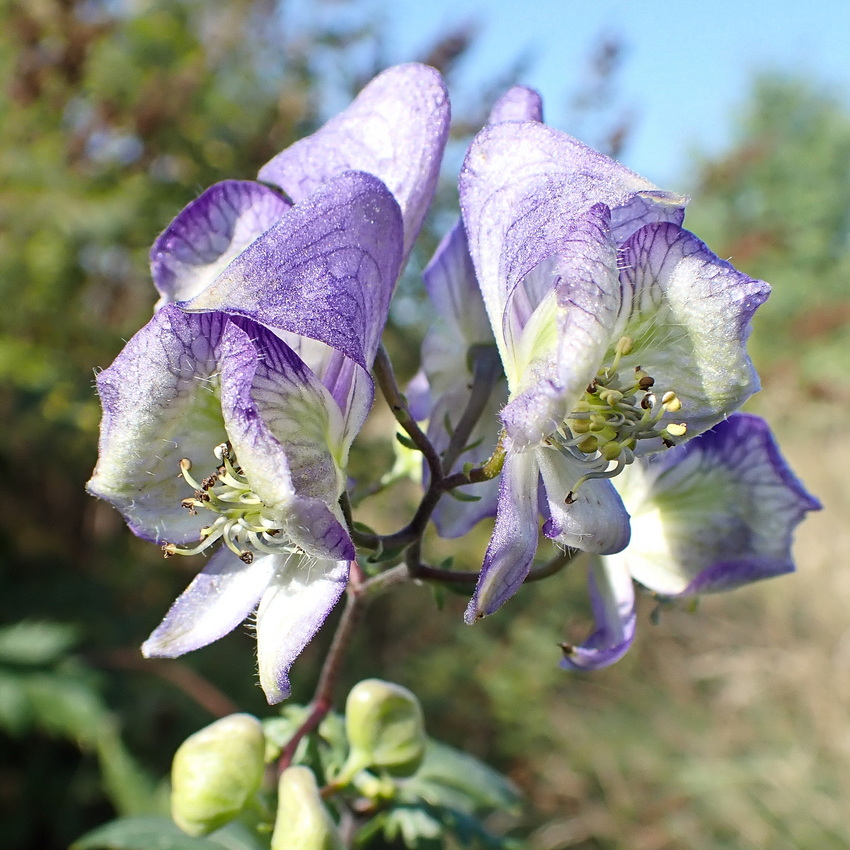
{"x": 326, "y": 270}
{"x": 689, "y": 315}
{"x": 518, "y": 103}
{"x": 286, "y": 431}
{"x": 396, "y": 129}
{"x": 527, "y": 177}
{"x": 513, "y": 544}
{"x": 210, "y": 232}
{"x": 160, "y": 404}
{"x": 558, "y": 324}
{"x": 595, "y": 521}
{"x": 714, "y": 513}
{"x": 612, "y": 598}
{"x": 219, "y": 598}
{"x": 297, "y": 601}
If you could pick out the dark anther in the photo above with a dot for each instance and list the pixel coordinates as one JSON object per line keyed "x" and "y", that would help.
{"x": 593, "y": 386}
{"x": 668, "y": 443}
{"x": 570, "y": 498}
{"x": 568, "y": 649}
{"x": 209, "y": 482}
{"x": 189, "y": 505}
{"x": 646, "y": 403}
{"x": 646, "y": 383}
{"x": 247, "y": 556}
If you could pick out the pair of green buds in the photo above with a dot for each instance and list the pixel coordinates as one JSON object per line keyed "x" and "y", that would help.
{"x": 217, "y": 772}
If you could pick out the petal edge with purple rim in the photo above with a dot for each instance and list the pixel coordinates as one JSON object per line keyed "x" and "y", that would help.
{"x": 714, "y": 513}
{"x": 396, "y": 129}
{"x": 689, "y": 314}
{"x": 261, "y": 378}
{"x": 326, "y": 270}
{"x": 297, "y": 601}
{"x": 514, "y": 541}
{"x": 210, "y": 232}
{"x": 219, "y": 598}
{"x": 160, "y": 404}
{"x": 612, "y": 598}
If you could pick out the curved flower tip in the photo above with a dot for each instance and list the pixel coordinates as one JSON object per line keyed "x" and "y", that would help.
{"x": 326, "y": 270}
{"x": 396, "y": 129}
{"x": 293, "y": 607}
{"x": 713, "y": 514}
{"x": 518, "y": 103}
{"x": 210, "y": 232}
{"x": 513, "y": 544}
{"x": 612, "y": 599}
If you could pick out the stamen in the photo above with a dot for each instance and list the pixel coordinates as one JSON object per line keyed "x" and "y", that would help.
{"x": 241, "y": 522}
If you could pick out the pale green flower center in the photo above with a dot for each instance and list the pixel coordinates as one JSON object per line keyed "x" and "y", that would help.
{"x": 618, "y": 409}
{"x": 242, "y": 519}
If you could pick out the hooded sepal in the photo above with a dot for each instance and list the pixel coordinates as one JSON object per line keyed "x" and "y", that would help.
{"x": 396, "y": 129}
{"x": 326, "y": 270}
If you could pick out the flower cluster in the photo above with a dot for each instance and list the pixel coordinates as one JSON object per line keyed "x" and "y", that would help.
{"x": 590, "y": 352}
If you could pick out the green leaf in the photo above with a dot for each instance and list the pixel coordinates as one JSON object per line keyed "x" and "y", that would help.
{"x": 451, "y": 778}
{"x": 35, "y": 643}
{"x": 14, "y": 704}
{"x": 463, "y": 497}
{"x": 406, "y": 442}
{"x": 142, "y": 834}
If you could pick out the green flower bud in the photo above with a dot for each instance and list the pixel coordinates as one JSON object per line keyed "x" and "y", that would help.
{"x": 385, "y": 727}
{"x": 215, "y": 772}
{"x": 302, "y": 821}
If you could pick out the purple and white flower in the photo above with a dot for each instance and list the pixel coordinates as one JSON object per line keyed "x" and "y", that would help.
{"x": 258, "y": 376}
{"x": 713, "y": 514}
{"x": 456, "y": 347}
{"x": 619, "y": 331}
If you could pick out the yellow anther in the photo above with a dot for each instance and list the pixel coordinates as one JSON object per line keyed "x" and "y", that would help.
{"x": 579, "y": 426}
{"x": 588, "y": 445}
{"x": 610, "y": 397}
{"x": 625, "y": 345}
{"x": 677, "y": 429}
{"x": 611, "y": 451}
{"x": 671, "y": 402}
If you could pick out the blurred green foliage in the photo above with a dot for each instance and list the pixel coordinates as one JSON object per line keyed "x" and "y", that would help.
{"x": 116, "y": 114}
{"x": 776, "y": 204}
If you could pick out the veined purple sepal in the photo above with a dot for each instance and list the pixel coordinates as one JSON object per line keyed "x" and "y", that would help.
{"x": 160, "y": 405}
{"x": 396, "y": 129}
{"x": 326, "y": 270}
{"x": 210, "y": 232}
{"x": 713, "y": 514}
{"x": 280, "y": 420}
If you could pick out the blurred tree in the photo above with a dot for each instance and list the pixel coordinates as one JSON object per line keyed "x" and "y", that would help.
{"x": 776, "y": 203}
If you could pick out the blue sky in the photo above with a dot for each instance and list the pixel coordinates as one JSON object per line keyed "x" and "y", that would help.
{"x": 687, "y": 67}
